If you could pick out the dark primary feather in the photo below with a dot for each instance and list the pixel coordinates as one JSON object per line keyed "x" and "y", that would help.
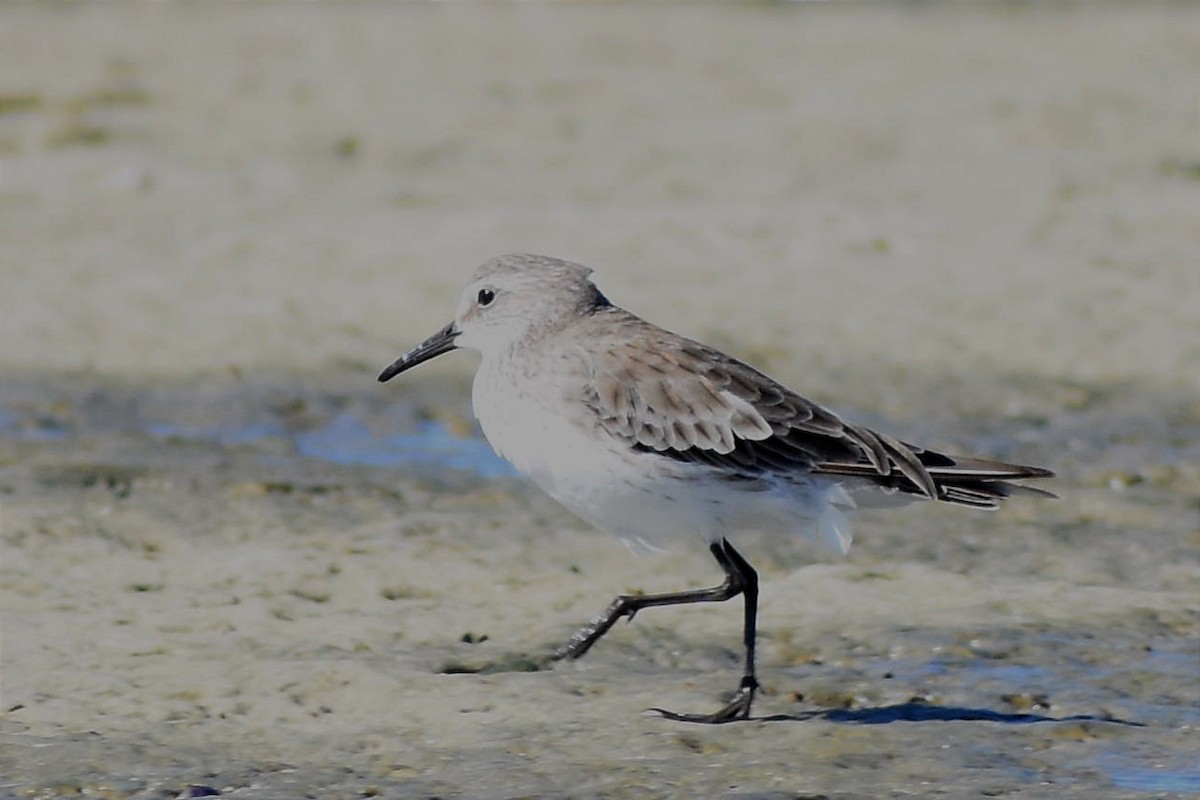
{"x": 666, "y": 394}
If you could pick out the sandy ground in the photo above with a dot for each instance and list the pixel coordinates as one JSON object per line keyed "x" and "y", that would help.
{"x": 230, "y": 560}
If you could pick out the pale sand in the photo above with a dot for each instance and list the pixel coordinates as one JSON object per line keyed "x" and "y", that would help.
{"x": 977, "y": 221}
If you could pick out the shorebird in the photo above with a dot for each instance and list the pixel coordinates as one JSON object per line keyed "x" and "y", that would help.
{"x": 648, "y": 434}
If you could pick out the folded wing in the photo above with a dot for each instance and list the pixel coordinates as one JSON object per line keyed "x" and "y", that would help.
{"x": 665, "y": 394}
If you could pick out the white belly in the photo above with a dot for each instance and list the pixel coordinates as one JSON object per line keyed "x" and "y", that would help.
{"x": 641, "y": 497}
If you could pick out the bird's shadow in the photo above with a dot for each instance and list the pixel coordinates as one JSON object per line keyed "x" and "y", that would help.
{"x": 924, "y": 712}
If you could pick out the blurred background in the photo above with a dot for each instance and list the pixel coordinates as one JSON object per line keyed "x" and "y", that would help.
{"x": 200, "y": 186}
{"x": 231, "y": 559}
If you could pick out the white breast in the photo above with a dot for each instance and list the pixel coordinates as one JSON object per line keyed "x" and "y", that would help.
{"x": 546, "y": 431}
{"x": 528, "y": 422}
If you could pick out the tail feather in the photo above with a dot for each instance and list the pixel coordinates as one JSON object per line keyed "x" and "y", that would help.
{"x": 964, "y": 480}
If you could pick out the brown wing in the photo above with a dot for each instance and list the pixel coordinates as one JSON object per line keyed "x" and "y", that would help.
{"x": 679, "y": 398}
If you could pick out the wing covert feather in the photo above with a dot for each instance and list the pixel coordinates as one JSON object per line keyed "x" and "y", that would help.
{"x": 692, "y": 403}
{"x": 664, "y": 393}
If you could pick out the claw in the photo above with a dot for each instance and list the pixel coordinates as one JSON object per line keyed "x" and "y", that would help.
{"x": 737, "y": 709}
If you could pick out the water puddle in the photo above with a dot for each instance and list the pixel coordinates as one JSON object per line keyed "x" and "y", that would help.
{"x": 391, "y": 436}
{"x": 346, "y": 439}
{"x": 1158, "y": 778}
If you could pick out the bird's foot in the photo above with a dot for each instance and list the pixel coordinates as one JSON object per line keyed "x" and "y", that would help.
{"x": 736, "y": 709}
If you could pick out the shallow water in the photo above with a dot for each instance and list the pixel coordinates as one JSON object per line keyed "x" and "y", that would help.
{"x": 345, "y": 439}
{"x": 230, "y": 559}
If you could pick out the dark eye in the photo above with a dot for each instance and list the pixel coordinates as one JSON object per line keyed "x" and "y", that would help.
{"x": 486, "y": 296}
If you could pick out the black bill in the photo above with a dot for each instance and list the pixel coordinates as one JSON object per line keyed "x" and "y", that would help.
{"x": 434, "y": 346}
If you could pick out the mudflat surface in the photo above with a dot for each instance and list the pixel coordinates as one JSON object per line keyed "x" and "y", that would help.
{"x": 229, "y": 559}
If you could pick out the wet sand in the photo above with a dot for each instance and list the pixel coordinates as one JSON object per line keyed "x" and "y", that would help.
{"x": 229, "y": 559}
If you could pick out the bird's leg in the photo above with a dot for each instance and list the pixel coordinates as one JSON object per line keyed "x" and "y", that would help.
{"x": 740, "y": 578}
{"x": 627, "y": 605}
{"x": 739, "y": 571}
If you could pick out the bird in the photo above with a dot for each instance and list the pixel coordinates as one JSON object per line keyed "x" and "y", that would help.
{"x": 651, "y": 435}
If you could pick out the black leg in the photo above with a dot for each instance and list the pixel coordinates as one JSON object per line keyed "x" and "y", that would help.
{"x": 738, "y": 707}
{"x": 740, "y": 578}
